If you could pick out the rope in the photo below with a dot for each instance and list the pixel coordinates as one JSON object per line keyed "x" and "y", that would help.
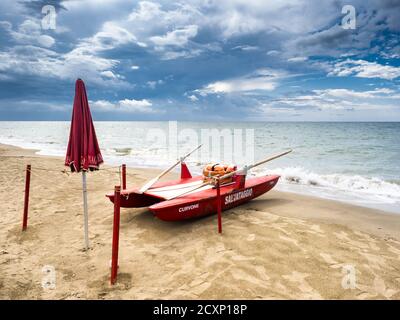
{"x": 120, "y": 176}
{"x": 36, "y": 175}
{"x": 44, "y": 180}
{"x": 64, "y": 170}
{"x": 110, "y": 168}
{"x": 51, "y": 170}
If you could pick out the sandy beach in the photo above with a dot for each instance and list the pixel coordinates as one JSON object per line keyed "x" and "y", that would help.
{"x": 279, "y": 246}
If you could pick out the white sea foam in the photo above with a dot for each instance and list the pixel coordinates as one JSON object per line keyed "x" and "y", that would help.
{"x": 352, "y": 188}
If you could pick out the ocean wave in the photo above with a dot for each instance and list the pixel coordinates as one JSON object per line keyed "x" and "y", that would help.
{"x": 355, "y": 184}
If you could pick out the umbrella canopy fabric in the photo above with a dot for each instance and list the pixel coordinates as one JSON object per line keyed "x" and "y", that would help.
{"x": 83, "y": 152}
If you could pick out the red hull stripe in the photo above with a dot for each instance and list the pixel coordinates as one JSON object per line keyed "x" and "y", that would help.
{"x": 204, "y": 203}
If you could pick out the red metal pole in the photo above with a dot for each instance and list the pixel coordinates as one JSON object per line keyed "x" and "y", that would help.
{"x": 115, "y": 240}
{"x": 26, "y": 202}
{"x": 123, "y": 176}
{"x": 219, "y": 207}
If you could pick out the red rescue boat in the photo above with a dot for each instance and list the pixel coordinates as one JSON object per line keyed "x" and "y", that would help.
{"x": 192, "y": 197}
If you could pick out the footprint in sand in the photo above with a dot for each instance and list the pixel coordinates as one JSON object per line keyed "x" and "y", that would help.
{"x": 373, "y": 246}
{"x": 198, "y": 290}
{"x": 282, "y": 290}
{"x": 238, "y": 257}
{"x": 342, "y": 236}
{"x": 378, "y": 288}
{"x": 293, "y": 241}
{"x": 196, "y": 282}
{"x": 329, "y": 260}
{"x": 281, "y": 227}
{"x": 375, "y": 261}
{"x": 266, "y": 216}
{"x": 261, "y": 271}
{"x": 316, "y": 230}
{"x": 241, "y": 275}
{"x": 345, "y": 237}
{"x": 368, "y": 239}
{"x": 220, "y": 247}
{"x": 253, "y": 220}
{"x": 394, "y": 250}
{"x": 251, "y": 237}
{"x": 299, "y": 278}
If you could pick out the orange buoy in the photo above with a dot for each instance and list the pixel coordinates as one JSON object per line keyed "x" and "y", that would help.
{"x": 217, "y": 170}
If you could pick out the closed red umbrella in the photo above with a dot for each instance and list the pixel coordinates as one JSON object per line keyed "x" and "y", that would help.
{"x": 83, "y": 152}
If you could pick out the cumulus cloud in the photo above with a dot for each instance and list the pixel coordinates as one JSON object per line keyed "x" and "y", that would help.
{"x": 178, "y": 37}
{"x": 262, "y": 79}
{"x": 36, "y": 61}
{"x": 273, "y": 53}
{"x": 146, "y": 11}
{"x": 153, "y": 83}
{"x": 193, "y": 98}
{"x": 176, "y": 54}
{"x": 46, "y": 41}
{"x": 179, "y": 44}
{"x": 238, "y": 17}
{"x": 108, "y": 74}
{"x": 102, "y": 105}
{"x": 347, "y": 93}
{"x": 297, "y": 59}
{"x": 364, "y": 69}
{"x": 132, "y": 105}
{"x": 125, "y": 106}
{"x": 331, "y": 41}
{"x": 219, "y": 47}
{"x": 337, "y": 99}
{"x": 29, "y": 33}
{"x": 246, "y": 48}
{"x": 109, "y": 37}
{"x": 156, "y": 17}
{"x": 30, "y": 57}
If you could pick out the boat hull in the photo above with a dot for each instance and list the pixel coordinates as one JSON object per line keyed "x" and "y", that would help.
{"x": 132, "y": 198}
{"x": 205, "y": 202}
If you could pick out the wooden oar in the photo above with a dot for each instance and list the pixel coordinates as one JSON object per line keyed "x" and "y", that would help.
{"x": 246, "y": 168}
{"x": 151, "y": 182}
{"x": 228, "y": 175}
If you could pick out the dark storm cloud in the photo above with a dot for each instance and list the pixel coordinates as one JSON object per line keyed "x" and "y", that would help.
{"x": 34, "y": 7}
{"x": 215, "y": 59}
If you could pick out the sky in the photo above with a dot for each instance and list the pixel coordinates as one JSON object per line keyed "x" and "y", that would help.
{"x": 202, "y": 60}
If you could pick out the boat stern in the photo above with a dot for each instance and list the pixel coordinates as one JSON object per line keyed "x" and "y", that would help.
{"x": 134, "y": 199}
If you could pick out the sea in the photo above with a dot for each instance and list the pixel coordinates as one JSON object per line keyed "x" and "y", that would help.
{"x": 354, "y": 162}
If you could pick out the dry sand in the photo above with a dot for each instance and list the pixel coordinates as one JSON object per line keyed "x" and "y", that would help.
{"x": 280, "y": 246}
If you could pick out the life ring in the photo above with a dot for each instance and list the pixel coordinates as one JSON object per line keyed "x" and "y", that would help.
{"x": 218, "y": 170}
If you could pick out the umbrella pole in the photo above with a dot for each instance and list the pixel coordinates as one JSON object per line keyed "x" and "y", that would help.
{"x": 85, "y": 209}
{"x": 26, "y": 202}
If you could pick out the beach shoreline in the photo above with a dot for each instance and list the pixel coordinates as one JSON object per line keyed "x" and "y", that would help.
{"x": 309, "y": 241}
{"x": 338, "y": 167}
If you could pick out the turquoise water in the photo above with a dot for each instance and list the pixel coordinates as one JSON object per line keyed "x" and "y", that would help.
{"x": 352, "y": 162}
